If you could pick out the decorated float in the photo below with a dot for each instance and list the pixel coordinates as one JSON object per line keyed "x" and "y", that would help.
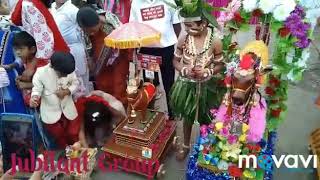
{"x": 289, "y": 25}
{"x": 145, "y": 136}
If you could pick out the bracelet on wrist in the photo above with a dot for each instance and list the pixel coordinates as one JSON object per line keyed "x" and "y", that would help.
{"x": 184, "y": 71}
{"x": 177, "y": 55}
{"x": 206, "y": 73}
{"x": 219, "y": 59}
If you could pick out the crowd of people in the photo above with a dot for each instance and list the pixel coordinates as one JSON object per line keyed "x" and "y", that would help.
{"x": 79, "y": 85}
{"x": 59, "y": 49}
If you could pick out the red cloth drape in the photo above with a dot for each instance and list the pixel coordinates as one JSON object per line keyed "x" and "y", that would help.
{"x": 111, "y": 79}
{"x": 59, "y": 43}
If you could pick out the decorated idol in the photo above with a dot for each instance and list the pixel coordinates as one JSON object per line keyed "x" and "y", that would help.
{"x": 240, "y": 122}
{"x": 243, "y": 104}
{"x": 199, "y": 59}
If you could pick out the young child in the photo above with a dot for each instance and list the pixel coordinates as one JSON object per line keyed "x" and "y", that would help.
{"x": 55, "y": 84}
{"x": 99, "y": 113}
{"x": 25, "y": 48}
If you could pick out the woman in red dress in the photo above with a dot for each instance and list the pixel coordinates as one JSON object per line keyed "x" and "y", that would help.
{"x": 111, "y": 66}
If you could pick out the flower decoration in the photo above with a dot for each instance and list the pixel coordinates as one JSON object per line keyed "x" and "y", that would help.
{"x": 243, "y": 138}
{"x": 215, "y": 161}
{"x": 249, "y": 5}
{"x": 303, "y": 42}
{"x": 231, "y": 67}
{"x": 213, "y": 112}
{"x": 204, "y": 140}
{"x": 269, "y": 91}
{"x": 302, "y": 62}
{"x": 232, "y": 139}
{"x": 276, "y": 112}
{"x": 233, "y": 153}
{"x": 211, "y": 126}
{"x": 291, "y": 76}
{"x": 245, "y": 128}
{"x": 267, "y": 6}
{"x": 208, "y": 158}
{"x": 235, "y": 171}
{"x": 298, "y": 28}
{"x": 283, "y": 11}
{"x": 221, "y": 149}
{"x": 290, "y": 55}
{"x": 224, "y": 132}
{"x": 238, "y": 18}
{"x": 284, "y": 31}
{"x": 257, "y": 13}
{"x": 219, "y": 126}
{"x": 223, "y": 165}
{"x": 298, "y": 10}
{"x": 249, "y": 174}
{"x": 228, "y": 14}
{"x": 273, "y": 81}
{"x": 203, "y": 131}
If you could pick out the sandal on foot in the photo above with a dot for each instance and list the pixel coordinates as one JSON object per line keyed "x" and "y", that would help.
{"x": 183, "y": 153}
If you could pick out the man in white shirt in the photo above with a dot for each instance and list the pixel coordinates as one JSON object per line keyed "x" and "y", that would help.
{"x": 165, "y": 19}
{"x": 65, "y": 16}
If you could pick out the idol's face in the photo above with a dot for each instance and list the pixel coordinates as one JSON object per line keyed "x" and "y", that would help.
{"x": 195, "y": 28}
{"x": 241, "y": 87}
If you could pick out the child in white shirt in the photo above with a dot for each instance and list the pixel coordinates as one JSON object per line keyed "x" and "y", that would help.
{"x": 55, "y": 84}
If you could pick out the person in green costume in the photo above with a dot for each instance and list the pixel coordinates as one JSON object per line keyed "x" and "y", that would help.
{"x": 199, "y": 59}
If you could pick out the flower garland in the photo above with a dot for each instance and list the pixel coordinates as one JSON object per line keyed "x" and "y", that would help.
{"x": 207, "y": 44}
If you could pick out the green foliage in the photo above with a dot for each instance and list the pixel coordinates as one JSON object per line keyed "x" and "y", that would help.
{"x": 212, "y": 20}
{"x": 244, "y": 27}
{"x": 275, "y": 26}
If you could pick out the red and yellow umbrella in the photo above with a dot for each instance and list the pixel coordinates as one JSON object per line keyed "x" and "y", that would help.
{"x": 132, "y": 35}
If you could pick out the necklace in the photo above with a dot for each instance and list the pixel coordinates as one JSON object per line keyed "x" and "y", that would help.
{"x": 192, "y": 50}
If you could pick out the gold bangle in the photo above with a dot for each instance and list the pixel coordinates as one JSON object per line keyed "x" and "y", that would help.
{"x": 183, "y": 71}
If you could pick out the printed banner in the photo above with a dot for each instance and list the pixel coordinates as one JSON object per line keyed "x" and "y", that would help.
{"x": 156, "y": 12}
{"x": 149, "y": 62}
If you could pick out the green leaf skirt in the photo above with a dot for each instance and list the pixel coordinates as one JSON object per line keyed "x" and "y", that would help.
{"x": 184, "y": 99}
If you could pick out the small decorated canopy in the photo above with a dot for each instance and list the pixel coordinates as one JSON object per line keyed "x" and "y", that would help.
{"x": 132, "y": 35}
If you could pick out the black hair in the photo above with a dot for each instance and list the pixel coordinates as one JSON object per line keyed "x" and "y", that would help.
{"x": 87, "y": 17}
{"x": 23, "y": 39}
{"x": 103, "y": 119}
{"x": 47, "y": 3}
{"x": 63, "y": 62}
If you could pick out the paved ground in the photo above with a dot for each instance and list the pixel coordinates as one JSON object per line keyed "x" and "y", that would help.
{"x": 303, "y": 117}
